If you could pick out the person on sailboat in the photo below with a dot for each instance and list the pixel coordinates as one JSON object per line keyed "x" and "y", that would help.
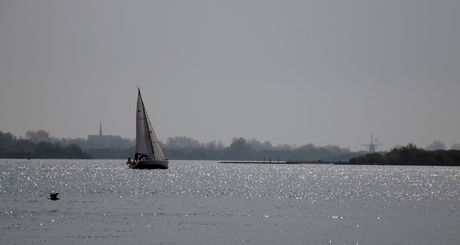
{"x": 129, "y": 161}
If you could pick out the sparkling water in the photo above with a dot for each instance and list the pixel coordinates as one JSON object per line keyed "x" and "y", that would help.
{"x": 204, "y": 202}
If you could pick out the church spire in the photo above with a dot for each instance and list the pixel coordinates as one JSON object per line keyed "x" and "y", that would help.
{"x": 100, "y": 128}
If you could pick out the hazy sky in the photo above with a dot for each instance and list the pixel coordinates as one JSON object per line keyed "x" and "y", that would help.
{"x": 293, "y": 72}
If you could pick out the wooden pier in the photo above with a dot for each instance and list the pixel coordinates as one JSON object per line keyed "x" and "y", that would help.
{"x": 287, "y": 162}
{"x": 255, "y": 162}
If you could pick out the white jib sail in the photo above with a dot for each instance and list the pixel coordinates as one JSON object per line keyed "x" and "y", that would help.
{"x": 146, "y": 141}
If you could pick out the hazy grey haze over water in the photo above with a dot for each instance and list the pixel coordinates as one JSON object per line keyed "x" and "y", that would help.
{"x": 203, "y": 202}
{"x": 289, "y": 72}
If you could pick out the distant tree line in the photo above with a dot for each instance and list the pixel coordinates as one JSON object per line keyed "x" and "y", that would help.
{"x": 112, "y": 142}
{"x": 241, "y": 149}
{"x": 38, "y": 145}
{"x": 411, "y": 155}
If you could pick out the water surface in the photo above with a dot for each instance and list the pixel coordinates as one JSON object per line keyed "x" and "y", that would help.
{"x": 203, "y": 202}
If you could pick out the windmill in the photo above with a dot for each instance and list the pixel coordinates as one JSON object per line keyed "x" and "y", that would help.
{"x": 372, "y": 147}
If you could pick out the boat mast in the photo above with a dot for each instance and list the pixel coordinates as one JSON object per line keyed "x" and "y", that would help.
{"x": 147, "y": 122}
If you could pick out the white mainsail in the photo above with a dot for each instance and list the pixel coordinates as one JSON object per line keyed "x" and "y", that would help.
{"x": 146, "y": 140}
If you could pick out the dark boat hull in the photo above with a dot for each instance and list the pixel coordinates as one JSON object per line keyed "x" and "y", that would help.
{"x": 149, "y": 164}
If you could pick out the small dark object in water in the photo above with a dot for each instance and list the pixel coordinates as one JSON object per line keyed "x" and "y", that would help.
{"x": 53, "y": 196}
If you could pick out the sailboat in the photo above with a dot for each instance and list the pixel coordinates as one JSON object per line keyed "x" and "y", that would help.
{"x": 148, "y": 150}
